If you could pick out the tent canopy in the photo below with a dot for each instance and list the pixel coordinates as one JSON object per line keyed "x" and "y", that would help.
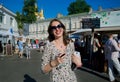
{"x": 102, "y": 29}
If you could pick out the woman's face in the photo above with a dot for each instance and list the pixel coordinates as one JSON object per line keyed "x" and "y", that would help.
{"x": 57, "y": 29}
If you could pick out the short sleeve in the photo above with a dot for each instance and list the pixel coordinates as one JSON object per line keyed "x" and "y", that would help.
{"x": 46, "y": 56}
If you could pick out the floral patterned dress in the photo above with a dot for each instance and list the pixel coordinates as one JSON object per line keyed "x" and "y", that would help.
{"x": 62, "y": 72}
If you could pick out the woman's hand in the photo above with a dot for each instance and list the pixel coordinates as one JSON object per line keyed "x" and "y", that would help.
{"x": 59, "y": 59}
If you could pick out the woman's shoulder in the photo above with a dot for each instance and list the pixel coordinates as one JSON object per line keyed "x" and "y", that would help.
{"x": 49, "y": 44}
{"x": 71, "y": 42}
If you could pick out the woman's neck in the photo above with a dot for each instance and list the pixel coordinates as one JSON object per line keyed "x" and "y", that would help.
{"x": 59, "y": 43}
{"x": 59, "y": 40}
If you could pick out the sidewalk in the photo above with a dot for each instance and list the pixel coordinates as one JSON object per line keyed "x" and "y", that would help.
{"x": 2, "y": 55}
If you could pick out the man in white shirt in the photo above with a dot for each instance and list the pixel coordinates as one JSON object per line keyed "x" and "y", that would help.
{"x": 112, "y": 55}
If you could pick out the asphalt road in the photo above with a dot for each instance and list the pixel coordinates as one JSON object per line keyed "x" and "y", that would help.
{"x": 14, "y": 69}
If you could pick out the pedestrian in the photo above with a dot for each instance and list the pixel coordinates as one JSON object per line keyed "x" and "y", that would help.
{"x": 37, "y": 43}
{"x": 9, "y": 48}
{"x": 119, "y": 46}
{"x": 1, "y": 47}
{"x": 96, "y": 53}
{"x": 118, "y": 43}
{"x": 20, "y": 45}
{"x": 58, "y": 54}
{"x": 28, "y": 48}
{"x": 112, "y": 55}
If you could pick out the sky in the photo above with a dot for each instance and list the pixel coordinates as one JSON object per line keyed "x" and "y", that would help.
{"x": 53, "y": 7}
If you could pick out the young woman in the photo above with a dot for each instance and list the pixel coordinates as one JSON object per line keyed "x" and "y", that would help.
{"x": 58, "y": 54}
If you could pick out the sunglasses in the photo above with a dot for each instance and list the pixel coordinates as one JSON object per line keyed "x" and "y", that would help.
{"x": 55, "y": 27}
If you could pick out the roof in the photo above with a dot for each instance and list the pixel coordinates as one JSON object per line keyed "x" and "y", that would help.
{"x": 6, "y": 10}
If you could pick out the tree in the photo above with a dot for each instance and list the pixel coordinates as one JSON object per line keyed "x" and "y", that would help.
{"x": 19, "y": 20}
{"x": 79, "y": 6}
{"x": 28, "y": 14}
{"x": 29, "y": 10}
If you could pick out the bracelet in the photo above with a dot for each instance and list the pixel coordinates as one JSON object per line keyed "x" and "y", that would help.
{"x": 51, "y": 64}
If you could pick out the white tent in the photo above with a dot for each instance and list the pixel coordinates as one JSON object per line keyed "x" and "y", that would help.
{"x": 105, "y": 29}
{"x": 9, "y": 32}
{"x": 81, "y": 31}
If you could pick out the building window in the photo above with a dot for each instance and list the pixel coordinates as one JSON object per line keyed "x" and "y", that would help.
{"x": 4, "y": 19}
{"x": 11, "y": 21}
{"x": 1, "y": 19}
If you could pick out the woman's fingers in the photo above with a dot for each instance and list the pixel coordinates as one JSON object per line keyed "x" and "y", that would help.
{"x": 60, "y": 59}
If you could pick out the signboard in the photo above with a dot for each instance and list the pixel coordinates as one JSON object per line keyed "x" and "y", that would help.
{"x": 108, "y": 18}
{"x": 90, "y": 23}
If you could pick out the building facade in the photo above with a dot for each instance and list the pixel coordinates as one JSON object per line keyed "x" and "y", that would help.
{"x": 39, "y": 29}
{"x": 108, "y": 18}
{"x": 8, "y": 24}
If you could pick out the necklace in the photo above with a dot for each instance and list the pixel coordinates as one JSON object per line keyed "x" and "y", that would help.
{"x": 59, "y": 45}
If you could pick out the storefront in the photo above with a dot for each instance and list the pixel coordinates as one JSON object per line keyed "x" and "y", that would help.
{"x": 88, "y": 40}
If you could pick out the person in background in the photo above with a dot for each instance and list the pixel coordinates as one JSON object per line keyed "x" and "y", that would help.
{"x": 9, "y": 48}
{"x": 77, "y": 44}
{"x": 28, "y": 48}
{"x": 32, "y": 42}
{"x": 16, "y": 46}
{"x": 41, "y": 45}
{"x": 96, "y": 53}
{"x": 119, "y": 43}
{"x": 59, "y": 54}
{"x": 1, "y": 47}
{"x": 37, "y": 43}
{"x": 20, "y": 45}
{"x": 112, "y": 55}
{"x": 119, "y": 46}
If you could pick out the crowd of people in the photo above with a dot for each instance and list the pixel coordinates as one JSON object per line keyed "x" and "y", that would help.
{"x": 28, "y": 45}
{"x": 22, "y": 47}
{"x": 61, "y": 55}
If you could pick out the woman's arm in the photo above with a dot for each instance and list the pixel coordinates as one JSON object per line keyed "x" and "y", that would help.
{"x": 53, "y": 63}
{"x": 76, "y": 58}
{"x": 47, "y": 68}
{"x": 47, "y": 63}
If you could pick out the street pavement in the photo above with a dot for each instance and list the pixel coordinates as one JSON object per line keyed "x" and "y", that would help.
{"x": 14, "y": 69}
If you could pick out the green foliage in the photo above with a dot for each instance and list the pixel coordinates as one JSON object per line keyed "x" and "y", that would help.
{"x": 28, "y": 13}
{"x": 79, "y": 6}
{"x": 19, "y": 20}
{"x": 29, "y": 10}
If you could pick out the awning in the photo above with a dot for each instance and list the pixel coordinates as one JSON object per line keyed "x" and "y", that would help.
{"x": 81, "y": 31}
{"x": 102, "y": 29}
{"x": 116, "y": 28}
{"x": 2, "y": 33}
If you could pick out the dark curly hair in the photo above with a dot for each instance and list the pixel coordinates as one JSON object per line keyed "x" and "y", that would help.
{"x": 51, "y": 36}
